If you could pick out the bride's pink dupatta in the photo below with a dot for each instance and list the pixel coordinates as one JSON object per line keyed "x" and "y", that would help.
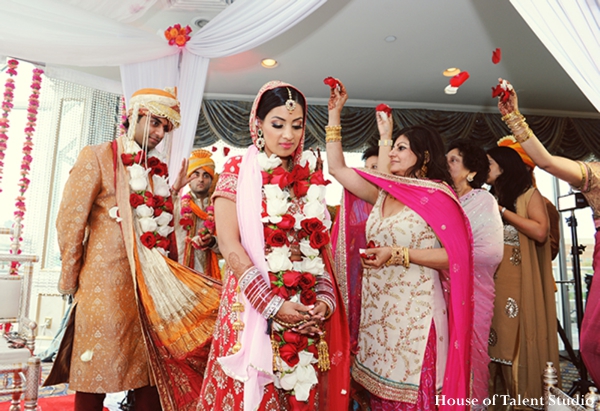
{"x": 439, "y": 207}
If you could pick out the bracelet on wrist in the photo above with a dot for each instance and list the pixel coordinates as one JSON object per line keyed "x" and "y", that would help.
{"x": 502, "y": 211}
{"x": 333, "y": 134}
{"x": 384, "y": 143}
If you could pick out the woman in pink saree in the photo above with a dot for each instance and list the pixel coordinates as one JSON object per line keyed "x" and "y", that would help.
{"x": 582, "y": 176}
{"x": 469, "y": 168}
{"x": 414, "y": 336}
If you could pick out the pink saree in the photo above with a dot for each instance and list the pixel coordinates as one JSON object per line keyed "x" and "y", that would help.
{"x": 439, "y": 207}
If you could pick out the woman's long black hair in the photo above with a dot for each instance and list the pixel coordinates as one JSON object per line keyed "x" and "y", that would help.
{"x": 514, "y": 180}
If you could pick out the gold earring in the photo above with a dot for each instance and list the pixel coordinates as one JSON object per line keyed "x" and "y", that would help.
{"x": 424, "y": 166}
{"x": 260, "y": 140}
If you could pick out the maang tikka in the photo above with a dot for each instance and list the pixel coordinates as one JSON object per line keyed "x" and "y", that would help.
{"x": 290, "y": 104}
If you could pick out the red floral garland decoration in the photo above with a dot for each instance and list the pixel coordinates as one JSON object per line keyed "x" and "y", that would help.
{"x": 177, "y": 35}
{"x": 7, "y": 106}
{"x": 32, "y": 111}
{"x": 158, "y": 204}
{"x": 187, "y": 220}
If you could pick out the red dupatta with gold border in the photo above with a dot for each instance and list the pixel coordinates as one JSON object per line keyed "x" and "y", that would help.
{"x": 437, "y": 204}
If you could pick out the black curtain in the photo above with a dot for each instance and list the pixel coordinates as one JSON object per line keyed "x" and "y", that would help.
{"x": 574, "y": 138}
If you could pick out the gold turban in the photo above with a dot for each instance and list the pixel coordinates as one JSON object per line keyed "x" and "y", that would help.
{"x": 510, "y": 141}
{"x": 161, "y": 103}
{"x": 201, "y": 159}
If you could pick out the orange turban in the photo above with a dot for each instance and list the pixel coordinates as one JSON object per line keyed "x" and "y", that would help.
{"x": 201, "y": 159}
{"x": 510, "y": 141}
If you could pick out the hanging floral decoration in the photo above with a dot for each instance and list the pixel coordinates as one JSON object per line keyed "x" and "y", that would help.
{"x": 32, "y": 112}
{"x": 294, "y": 233}
{"x": 7, "y": 106}
{"x": 177, "y": 35}
{"x": 187, "y": 221}
{"x": 151, "y": 199}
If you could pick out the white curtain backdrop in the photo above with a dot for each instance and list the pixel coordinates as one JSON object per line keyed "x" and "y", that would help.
{"x": 570, "y": 30}
{"x": 87, "y": 33}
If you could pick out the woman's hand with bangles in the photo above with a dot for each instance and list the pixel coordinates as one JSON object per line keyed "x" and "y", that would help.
{"x": 313, "y": 326}
{"x": 511, "y": 104}
{"x": 292, "y": 313}
{"x": 385, "y": 125}
{"x": 382, "y": 255}
{"x": 337, "y": 98}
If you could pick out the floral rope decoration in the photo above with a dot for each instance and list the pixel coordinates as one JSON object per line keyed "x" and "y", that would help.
{"x": 294, "y": 232}
{"x": 151, "y": 199}
{"x": 7, "y": 106}
{"x": 32, "y": 112}
{"x": 177, "y": 35}
{"x": 187, "y": 221}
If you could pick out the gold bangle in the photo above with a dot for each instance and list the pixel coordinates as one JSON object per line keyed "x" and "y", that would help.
{"x": 333, "y": 134}
{"x": 406, "y": 262}
{"x": 333, "y": 128}
{"x": 384, "y": 143}
{"x": 510, "y": 115}
{"x": 397, "y": 257}
{"x": 333, "y": 139}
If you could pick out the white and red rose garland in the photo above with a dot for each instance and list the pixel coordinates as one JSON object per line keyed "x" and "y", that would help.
{"x": 150, "y": 199}
{"x": 294, "y": 278}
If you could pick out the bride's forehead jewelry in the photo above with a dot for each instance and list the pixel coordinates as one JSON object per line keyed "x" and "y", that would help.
{"x": 290, "y": 104}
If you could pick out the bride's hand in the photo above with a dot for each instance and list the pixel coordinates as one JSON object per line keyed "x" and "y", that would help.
{"x": 292, "y": 313}
{"x": 510, "y": 105}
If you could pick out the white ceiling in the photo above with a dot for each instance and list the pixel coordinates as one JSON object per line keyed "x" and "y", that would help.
{"x": 345, "y": 39}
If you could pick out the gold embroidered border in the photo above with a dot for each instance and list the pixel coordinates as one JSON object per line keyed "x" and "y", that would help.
{"x": 383, "y": 388}
{"x": 226, "y": 186}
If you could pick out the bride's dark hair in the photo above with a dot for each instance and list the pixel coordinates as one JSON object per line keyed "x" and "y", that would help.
{"x": 277, "y": 97}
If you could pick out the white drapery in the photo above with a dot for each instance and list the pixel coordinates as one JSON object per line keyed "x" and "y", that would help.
{"x": 570, "y": 30}
{"x": 69, "y": 32}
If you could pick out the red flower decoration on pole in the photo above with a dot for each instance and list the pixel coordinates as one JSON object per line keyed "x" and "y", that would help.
{"x": 7, "y": 106}
{"x": 177, "y": 35}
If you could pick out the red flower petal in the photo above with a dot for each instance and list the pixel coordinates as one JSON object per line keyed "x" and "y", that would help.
{"x": 226, "y": 150}
{"x": 496, "y": 56}
{"x": 213, "y": 149}
{"x": 385, "y": 108}
{"x": 459, "y": 79}
{"x": 331, "y": 82}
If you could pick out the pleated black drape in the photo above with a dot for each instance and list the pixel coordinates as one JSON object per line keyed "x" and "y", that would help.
{"x": 575, "y": 138}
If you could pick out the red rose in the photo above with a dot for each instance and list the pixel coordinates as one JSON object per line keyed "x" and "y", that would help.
{"x": 139, "y": 157}
{"x": 136, "y": 200}
{"x": 298, "y": 340}
{"x": 289, "y": 354}
{"x": 169, "y": 205}
{"x": 280, "y": 177}
{"x": 159, "y": 201}
{"x": 148, "y": 239}
{"x": 291, "y": 278}
{"x": 296, "y": 405}
{"x": 299, "y": 173}
{"x": 185, "y": 222}
{"x": 318, "y": 239}
{"x": 127, "y": 159}
{"x": 385, "y": 108}
{"x": 331, "y": 82}
{"x": 312, "y": 224}
{"x": 277, "y": 238}
{"x": 268, "y": 230}
{"x": 153, "y": 162}
{"x": 307, "y": 281}
{"x": 273, "y": 278}
{"x": 163, "y": 242}
{"x": 287, "y": 222}
{"x": 159, "y": 211}
{"x": 313, "y": 349}
{"x": 308, "y": 297}
{"x": 282, "y": 291}
{"x": 318, "y": 178}
{"x": 301, "y": 188}
{"x": 160, "y": 170}
{"x": 266, "y": 177}
{"x": 150, "y": 202}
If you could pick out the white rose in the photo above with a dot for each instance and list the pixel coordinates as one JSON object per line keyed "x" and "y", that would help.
{"x": 161, "y": 186}
{"x": 268, "y": 163}
{"x": 298, "y": 221}
{"x": 315, "y": 192}
{"x": 288, "y": 380}
{"x": 274, "y": 192}
{"x": 143, "y": 211}
{"x": 138, "y": 184}
{"x": 314, "y": 209}
{"x": 278, "y": 259}
{"x": 137, "y": 171}
{"x": 164, "y": 219}
{"x": 277, "y": 207}
{"x": 271, "y": 219}
{"x": 307, "y": 250}
{"x": 310, "y": 158}
{"x": 306, "y": 375}
{"x": 313, "y": 265}
{"x": 148, "y": 224}
{"x": 164, "y": 230}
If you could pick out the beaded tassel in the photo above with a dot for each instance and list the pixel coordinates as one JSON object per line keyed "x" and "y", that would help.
{"x": 323, "y": 350}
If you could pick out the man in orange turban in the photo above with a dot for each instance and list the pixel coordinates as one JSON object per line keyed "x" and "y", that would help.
{"x": 196, "y": 237}
{"x": 553, "y": 215}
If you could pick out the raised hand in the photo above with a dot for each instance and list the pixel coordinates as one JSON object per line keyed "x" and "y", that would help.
{"x": 511, "y": 104}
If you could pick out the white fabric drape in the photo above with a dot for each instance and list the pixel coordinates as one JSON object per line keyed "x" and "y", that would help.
{"x": 570, "y": 30}
{"x": 68, "y": 32}
{"x": 122, "y": 10}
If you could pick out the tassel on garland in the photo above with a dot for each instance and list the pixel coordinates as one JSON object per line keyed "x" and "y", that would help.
{"x": 323, "y": 350}
{"x": 276, "y": 357}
